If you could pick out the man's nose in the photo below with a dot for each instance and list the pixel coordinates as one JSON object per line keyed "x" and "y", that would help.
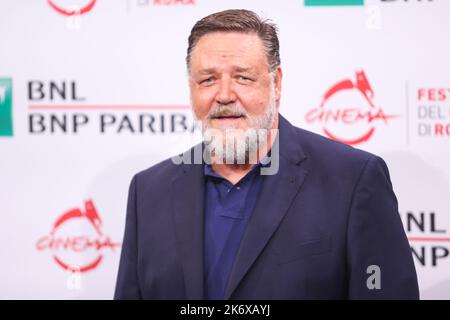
{"x": 226, "y": 94}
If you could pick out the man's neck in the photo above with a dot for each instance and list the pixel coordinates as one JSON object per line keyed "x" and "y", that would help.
{"x": 232, "y": 172}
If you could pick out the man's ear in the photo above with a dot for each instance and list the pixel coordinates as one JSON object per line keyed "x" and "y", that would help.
{"x": 277, "y": 83}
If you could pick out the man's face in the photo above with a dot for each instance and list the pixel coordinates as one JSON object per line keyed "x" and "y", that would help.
{"x": 230, "y": 83}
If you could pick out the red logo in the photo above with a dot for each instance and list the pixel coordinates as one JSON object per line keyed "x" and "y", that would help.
{"x": 73, "y": 9}
{"x": 84, "y": 251}
{"x": 347, "y": 111}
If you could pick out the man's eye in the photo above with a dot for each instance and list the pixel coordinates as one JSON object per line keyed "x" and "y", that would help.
{"x": 207, "y": 81}
{"x": 244, "y": 79}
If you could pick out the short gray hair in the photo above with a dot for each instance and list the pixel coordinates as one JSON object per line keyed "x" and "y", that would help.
{"x": 238, "y": 20}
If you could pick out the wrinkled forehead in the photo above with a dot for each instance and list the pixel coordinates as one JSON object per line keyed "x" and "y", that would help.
{"x": 234, "y": 50}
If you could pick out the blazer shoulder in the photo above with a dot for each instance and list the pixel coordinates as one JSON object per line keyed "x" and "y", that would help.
{"x": 159, "y": 173}
{"x": 334, "y": 158}
{"x": 320, "y": 147}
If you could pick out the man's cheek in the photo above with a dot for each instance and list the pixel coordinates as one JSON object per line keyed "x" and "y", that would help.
{"x": 201, "y": 112}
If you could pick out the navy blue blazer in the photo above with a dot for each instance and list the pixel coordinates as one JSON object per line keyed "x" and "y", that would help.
{"x": 318, "y": 226}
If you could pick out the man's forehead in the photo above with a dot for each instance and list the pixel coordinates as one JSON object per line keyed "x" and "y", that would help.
{"x": 228, "y": 51}
{"x": 228, "y": 44}
{"x": 230, "y": 36}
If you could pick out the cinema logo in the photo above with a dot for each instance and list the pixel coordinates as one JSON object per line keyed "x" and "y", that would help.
{"x": 59, "y": 108}
{"x": 72, "y": 7}
{"x": 430, "y": 243}
{"x": 347, "y": 112}
{"x": 76, "y": 240}
{"x": 72, "y": 10}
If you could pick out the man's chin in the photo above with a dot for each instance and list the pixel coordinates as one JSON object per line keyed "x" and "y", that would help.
{"x": 226, "y": 130}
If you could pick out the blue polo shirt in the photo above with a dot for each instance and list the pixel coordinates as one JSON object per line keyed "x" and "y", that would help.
{"x": 228, "y": 209}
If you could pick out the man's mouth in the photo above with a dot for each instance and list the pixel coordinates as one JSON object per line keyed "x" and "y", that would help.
{"x": 228, "y": 117}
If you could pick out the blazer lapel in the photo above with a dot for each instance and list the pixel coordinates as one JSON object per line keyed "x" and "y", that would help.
{"x": 187, "y": 200}
{"x": 278, "y": 192}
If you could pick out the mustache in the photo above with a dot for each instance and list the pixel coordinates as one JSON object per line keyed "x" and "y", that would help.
{"x": 231, "y": 110}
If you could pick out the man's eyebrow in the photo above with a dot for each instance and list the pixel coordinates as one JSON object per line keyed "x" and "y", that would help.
{"x": 206, "y": 71}
{"x": 236, "y": 69}
{"x": 244, "y": 69}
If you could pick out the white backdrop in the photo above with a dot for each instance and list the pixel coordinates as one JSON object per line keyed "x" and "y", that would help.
{"x": 88, "y": 99}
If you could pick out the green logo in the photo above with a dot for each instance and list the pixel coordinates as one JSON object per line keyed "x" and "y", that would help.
{"x": 334, "y": 3}
{"x": 6, "y": 127}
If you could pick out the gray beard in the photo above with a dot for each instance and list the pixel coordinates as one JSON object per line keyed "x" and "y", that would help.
{"x": 240, "y": 146}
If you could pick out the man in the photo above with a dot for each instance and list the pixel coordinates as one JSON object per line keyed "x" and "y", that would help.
{"x": 321, "y": 222}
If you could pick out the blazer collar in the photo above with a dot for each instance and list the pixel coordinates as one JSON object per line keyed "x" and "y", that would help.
{"x": 277, "y": 193}
{"x": 187, "y": 198}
